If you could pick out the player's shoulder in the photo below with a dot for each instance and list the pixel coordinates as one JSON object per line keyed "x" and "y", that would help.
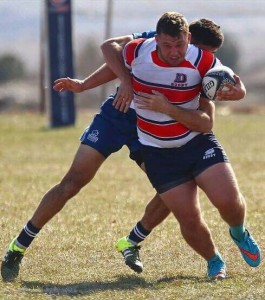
{"x": 195, "y": 52}
{"x": 135, "y": 43}
{"x": 201, "y": 59}
{"x": 137, "y": 47}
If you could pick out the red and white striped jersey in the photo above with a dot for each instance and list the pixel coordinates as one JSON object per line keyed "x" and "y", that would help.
{"x": 181, "y": 85}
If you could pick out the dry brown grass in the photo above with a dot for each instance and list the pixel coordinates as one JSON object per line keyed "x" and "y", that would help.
{"x": 74, "y": 255}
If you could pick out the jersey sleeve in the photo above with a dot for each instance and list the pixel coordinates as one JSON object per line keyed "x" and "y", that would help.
{"x": 217, "y": 63}
{"x": 206, "y": 60}
{"x": 130, "y": 51}
{"x": 146, "y": 34}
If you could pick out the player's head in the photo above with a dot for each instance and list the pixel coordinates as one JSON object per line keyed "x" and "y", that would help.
{"x": 172, "y": 24}
{"x": 172, "y": 37}
{"x": 206, "y": 34}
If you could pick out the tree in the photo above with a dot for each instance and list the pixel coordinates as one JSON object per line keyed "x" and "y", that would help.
{"x": 11, "y": 67}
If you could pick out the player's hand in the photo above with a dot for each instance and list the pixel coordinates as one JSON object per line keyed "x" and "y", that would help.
{"x": 124, "y": 96}
{"x": 68, "y": 84}
{"x": 232, "y": 92}
{"x": 155, "y": 101}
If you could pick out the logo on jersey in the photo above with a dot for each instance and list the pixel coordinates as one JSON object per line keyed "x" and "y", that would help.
{"x": 209, "y": 153}
{"x": 180, "y": 80}
{"x": 93, "y": 136}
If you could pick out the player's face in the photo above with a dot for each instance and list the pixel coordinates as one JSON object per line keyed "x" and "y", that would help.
{"x": 172, "y": 50}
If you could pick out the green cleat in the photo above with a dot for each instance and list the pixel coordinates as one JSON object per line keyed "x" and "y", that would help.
{"x": 130, "y": 253}
{"x": 11, "y": 262}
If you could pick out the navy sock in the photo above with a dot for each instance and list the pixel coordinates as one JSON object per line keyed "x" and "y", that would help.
{"x": 27, "y": 235}
{"x": 138, "y": 234}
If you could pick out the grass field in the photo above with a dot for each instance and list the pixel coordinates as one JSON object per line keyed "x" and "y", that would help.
{"x": 74, "y": 256}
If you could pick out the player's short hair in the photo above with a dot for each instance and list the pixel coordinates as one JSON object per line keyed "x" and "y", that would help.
{"x": 206, "y": 32}
{"x": 172, "y": 23}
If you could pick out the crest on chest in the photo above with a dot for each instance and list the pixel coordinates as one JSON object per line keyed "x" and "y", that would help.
{"x": 180, "y": 80}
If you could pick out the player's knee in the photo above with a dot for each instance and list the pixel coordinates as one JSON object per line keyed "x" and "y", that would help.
{"x": 190, "y": 223}
{"x": 70, "y": 187}
{"x": 234, "y": 202}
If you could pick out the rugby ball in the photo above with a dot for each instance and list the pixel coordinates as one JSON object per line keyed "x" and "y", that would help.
{"x": 215, "y": 79}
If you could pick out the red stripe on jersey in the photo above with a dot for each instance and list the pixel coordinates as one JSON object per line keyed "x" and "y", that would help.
{"x": 173, "y": 95}
{"x": 172, "y": 130}
{"x": 206, "y": 62}
{"x": 131, "y": 49}
{"x": 159, "y": 62}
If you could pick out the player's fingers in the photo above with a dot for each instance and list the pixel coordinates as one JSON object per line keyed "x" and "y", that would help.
{"x": 142, "y": 94}
{"x": 58, "y": 80}
{"x": 116, "y": 100}
{"x": 156, "y": 92}
{"x": 226, "y": 88}
{"x": 127, "y": 106}
{"x": 237, "y": 78}
{"x": 118, "y": 103}
{"x": 118, "y": 97}
{"x": 57, "y": 87}
{"x": 123, "y": 105}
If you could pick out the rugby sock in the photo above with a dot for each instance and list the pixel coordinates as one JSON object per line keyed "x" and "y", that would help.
{"x": 27, "y": 235}
{"x": 215, "y": 257}
{"x": 138, "y": 234}
{"x": 238, "y": 232}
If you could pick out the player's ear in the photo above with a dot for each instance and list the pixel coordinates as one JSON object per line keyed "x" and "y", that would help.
{"x": 189, "y": 37}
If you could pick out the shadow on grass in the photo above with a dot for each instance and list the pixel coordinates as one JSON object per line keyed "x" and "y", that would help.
{"x": 181, "y": 279}
{"x": 86, "y": 288}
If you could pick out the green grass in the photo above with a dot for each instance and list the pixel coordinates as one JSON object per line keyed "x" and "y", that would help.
{"x": 74, "y": 255}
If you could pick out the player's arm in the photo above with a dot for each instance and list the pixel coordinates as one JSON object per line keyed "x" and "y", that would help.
{"x": 102, "y": 75}
{"x": 113, "y": 54}
{"x": 112, "y": 50}
{"x": 201, "y": 120}
{"x": 233, "y": 92}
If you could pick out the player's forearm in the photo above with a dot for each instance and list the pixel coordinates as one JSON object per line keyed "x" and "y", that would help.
{"x": 112, "y": 51}
{"x": 200, "y": 120}
{"x": 195, "y": 120}
{"x": 102, "y": 75}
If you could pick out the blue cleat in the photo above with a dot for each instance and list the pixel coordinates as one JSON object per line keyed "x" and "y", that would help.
{"x": 249, "y": 249}
{"x": 216, "y": 268}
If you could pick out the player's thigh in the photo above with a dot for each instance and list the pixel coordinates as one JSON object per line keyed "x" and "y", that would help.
{"x": 85, "y": 165}
{"x": 182, "y": 200}
{"x": 220, "y": 184}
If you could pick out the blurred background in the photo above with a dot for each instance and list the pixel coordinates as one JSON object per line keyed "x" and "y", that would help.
{"x": 21, "y": 23}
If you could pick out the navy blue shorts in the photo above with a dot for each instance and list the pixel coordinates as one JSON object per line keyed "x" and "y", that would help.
{"x": 169, "y": 167}
{"x": 111, "y": 130}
